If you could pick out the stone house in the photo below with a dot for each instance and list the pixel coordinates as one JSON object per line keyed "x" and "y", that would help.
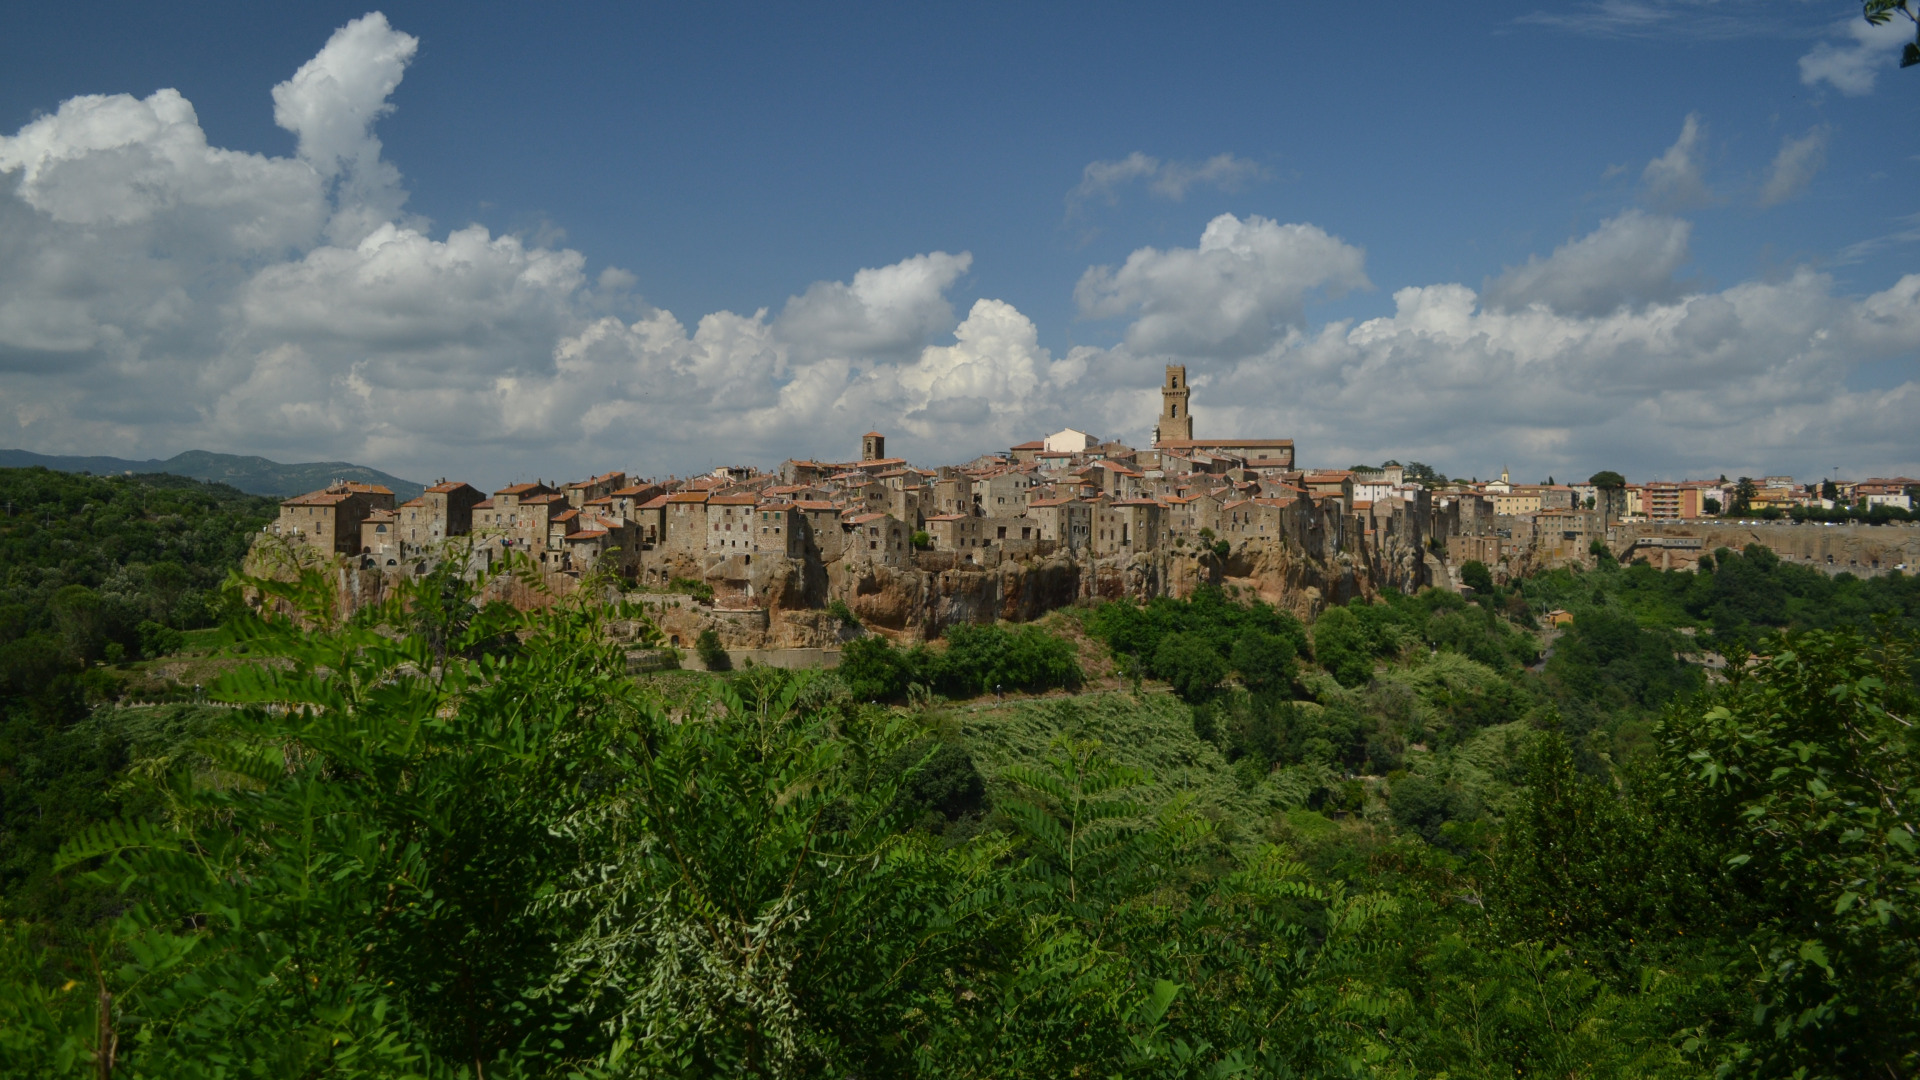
{"x": 1126, "y": 527}
{"x": 956, "y": 532}
{"x": 649, "y": 517}
{"x": 380, "y": 537}
{"x": 1003, "y": 493}
{"x": 581, "y": 492}
{"x": 684, "y": 522}
{"x": 443, "y": 510}
{"x": 779, "y": 528}
{"x": 377, "y": 496}
{"x": 1067, "y": 522}
{"x": 824, "y": 535}
{"x": 326, "y": 521}
{"x": 503, "y": 513}
{"x": 1336, "y": 484}
{"x": 627, "y": 501}
{"x": 1114, "y": 480}
{"x": 881, "y": 538}
{"x": 730, "y": 524}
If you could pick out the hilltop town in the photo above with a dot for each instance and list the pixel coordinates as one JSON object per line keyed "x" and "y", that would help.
{"x": 1061, "y": 519}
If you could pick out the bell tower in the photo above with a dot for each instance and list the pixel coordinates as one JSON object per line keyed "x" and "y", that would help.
{"x": 1176, "y": 411}
{"x": 873, "y": 446}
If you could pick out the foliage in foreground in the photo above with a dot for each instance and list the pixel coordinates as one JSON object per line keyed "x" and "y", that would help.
{"x": 439, "y": 840}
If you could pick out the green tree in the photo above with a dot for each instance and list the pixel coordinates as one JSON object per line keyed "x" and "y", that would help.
{"x": 711, "y": 652}
{"x": 1265, "y": 661}
{"x": 1191, "y": 665}
{"x": 1342, "y": 647}
{"x": 1475, "y": 575}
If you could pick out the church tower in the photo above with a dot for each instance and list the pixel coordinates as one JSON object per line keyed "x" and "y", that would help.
{"x": 1176, "y": 412}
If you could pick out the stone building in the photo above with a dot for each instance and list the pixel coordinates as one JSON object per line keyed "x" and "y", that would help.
{"x": 684, "y": 522}
{"x": 1176, "y": 408}
{"x": 1066, "y": 522}
{"x": 325, "y": 521}
{"x": 880, "y": 538}
{"x": 730, "y": 524}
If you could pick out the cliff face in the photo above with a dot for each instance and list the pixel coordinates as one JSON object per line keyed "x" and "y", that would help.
{"x": 772, "y": 602}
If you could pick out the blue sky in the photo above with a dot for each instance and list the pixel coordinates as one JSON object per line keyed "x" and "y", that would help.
{"x": 1736, "y": 165}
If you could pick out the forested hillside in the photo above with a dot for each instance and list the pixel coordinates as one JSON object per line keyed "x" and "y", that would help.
{"x": 92, "y": 570}
{"x": 1197, "y": 838}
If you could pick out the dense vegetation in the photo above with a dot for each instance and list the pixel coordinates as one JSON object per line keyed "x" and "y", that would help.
{"x": 92, "y": 569}
{"x": 975, "y": 660}
{"x": 1417, "y": 838}
{"x": 85, "y": 561}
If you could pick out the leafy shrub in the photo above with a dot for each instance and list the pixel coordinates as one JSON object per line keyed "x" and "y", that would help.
{"x": 1190, "y": 665}
{"x": 711, "y": 652}
{"x": 874, "y": 670}
{"x": 1265, "y": 661}
{"x": 694, "y": 587}
{"x": 838, "y": 609}
{"x": 1475, "y": 575}
{"x": 1341, "y": 646}
{"x": 157, "y": 639}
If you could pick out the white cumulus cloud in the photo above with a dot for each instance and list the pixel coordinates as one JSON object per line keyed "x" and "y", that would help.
{"x": 1629, "y": 259}
{"x": 1234, "y": 293}
{"x": 1851, "y": 65}
{"x": 1677, "y": 179}
{"x": 1795, "y": 166}
{"x": 1101, "y": 181}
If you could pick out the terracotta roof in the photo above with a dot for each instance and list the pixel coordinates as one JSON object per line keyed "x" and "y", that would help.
{"x": 415, "y": 502}
{"x": 1037, "y": 444}
{"x": 483, "y": 504}
{"x": 604, "y": 500}
{"x": 318, "y": 498}
{"x": 687, "y": 497}
{"x": 732, "y": 500}
{"x": 366, "y": 489}
{"x": 446, "y": 487}
{"x": 654, "y": 503}
{"x": 862, "y": 519}
{"x": 1037, "y": 503}
{"x": 586, "y": 534}
{"x": 567, "y": 515}
{"x": 635, "y": 489}
{"x": 379, "y": 516}
{"x": 542, "y": 500}
{"x": 815, "y": 504}
{"x": 601, "y": 479}
{"x": 948, "y": 517}
{"x": 518, "y": 489}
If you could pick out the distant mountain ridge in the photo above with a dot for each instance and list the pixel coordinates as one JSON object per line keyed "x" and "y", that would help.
{"x": 253, "y": 475}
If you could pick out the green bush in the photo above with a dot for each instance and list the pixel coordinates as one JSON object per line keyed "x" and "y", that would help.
{"x": 699, "y": 590}
{"x": 711, "y": 652}
{"x": 159, "y": 640}
{"x": 1190, "y": 664}
{"x": 1265, "y": 661}
{"x": 1475, "y": 575}
{"x": 1341, "y": 646}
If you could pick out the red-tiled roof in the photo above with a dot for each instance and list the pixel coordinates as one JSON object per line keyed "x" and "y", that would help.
{"x": 687, "y": 497}
{"x": 318, "y": 498}
{"x": 446, "y": 487}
